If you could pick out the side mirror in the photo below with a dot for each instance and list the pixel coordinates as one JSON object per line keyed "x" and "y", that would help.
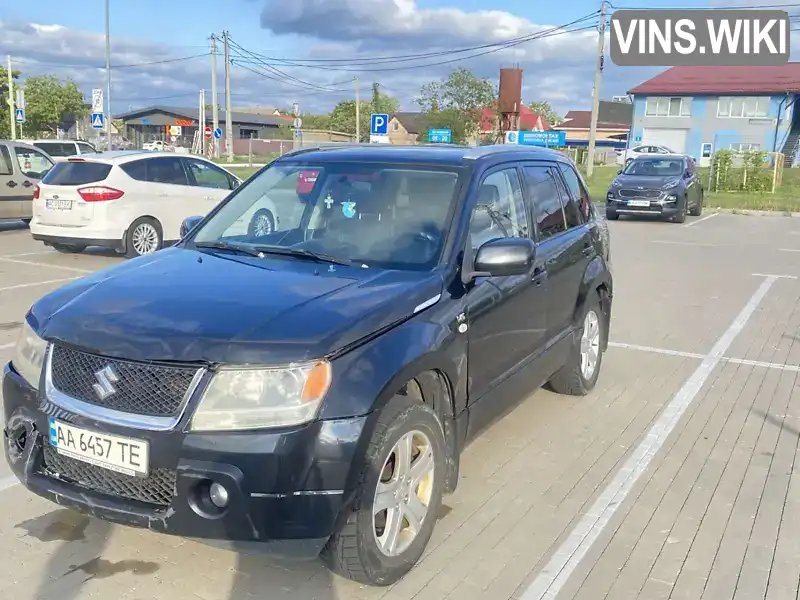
{"x": 188, "y": 224}
{"x": 619, "y": 172}
{"x": 235, "y": 183}
{"x": 504, "y": 257}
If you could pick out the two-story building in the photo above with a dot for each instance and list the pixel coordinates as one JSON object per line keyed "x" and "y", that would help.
{"x": 699, "y": 110}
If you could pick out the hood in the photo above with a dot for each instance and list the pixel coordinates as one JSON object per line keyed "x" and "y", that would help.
{"x": 645, "y": 182}
{"x": 185, "y": 305}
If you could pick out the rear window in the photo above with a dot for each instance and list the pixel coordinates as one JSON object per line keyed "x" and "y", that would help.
{"x": 76, "y": 173}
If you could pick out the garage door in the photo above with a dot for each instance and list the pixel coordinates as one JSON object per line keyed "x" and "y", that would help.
{"x": 674, "y": 139}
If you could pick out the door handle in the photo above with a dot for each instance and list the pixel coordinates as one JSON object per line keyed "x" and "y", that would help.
{"x": 27, "y": 183}
{"x": 538, "y": 275}
{"x": 11, "y": 184}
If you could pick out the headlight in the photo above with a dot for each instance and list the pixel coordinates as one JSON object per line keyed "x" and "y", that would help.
{"x": 615, "y": 183}
{"x": 239, "y": 399}
{"x": 29, "y": 355}
{"x": 671, "y": 184}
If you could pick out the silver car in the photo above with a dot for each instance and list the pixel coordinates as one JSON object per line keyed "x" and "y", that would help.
{"x": 22, "y": 167}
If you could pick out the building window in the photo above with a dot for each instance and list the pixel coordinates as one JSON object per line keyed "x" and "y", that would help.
{"x": 743, "y": 106}
{"x": 745, "y": 147}
{"x": 395, "y": 126}
{"x": 663, "y": 106}
{"x": 246, "y": 134}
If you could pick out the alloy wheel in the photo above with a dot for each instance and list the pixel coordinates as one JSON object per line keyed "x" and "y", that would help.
{"x": 403, "y": 493}
{"x": 145, "y": 238}
{"x": 590, "y": 344}
{"x": 262, "y": 225}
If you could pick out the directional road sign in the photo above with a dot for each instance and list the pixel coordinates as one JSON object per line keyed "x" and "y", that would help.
{"x": 297, "y": 123}
{"x": 217, "y": 133}
{"x": 98, "y": 120}
{"x": 207, "y": 132}
{"x": 379, "y": 124}
{"x": 440, "y": 136}
{"x": 537, "y": 138}
{"x": 19, "y": 115}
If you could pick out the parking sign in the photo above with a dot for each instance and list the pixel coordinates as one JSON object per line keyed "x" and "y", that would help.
{"x": 379, "y": 124}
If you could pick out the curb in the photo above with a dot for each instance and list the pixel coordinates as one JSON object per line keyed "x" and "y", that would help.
{"x": 755, "y": 213}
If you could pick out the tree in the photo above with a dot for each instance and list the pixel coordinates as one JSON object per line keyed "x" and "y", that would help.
{"x": 343, "y": 116}
{"x": 546, "y": 111}
{"x": 48, "y": 101}
{"x": 5, "y": 116}
{"x": 457, "y": 103}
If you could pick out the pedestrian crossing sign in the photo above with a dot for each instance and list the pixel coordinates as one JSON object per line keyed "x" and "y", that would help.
{"x": 98, "y": 121}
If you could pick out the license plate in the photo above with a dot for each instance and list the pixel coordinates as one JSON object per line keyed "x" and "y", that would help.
{"x": 115, "y": 453}
{"x": 638, "y": 202}
{"x": 58, "y": 204}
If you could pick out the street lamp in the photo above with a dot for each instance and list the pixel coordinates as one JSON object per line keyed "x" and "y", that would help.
{"x": 108, "y": 80}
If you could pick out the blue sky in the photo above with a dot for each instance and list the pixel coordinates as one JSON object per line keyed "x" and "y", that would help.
{"x": 558, "y": 69}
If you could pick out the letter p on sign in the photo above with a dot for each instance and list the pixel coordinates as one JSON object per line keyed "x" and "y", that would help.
{"x": 379, "y": 124}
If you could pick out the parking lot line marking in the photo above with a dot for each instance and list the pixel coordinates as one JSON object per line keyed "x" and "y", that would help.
{"x": 775, "y": 276}
{"x": 36, "y": 264}
{"x": 8, "y": 482}
{"x": 28, "y": 254}
{"x": 7, "y": 346}
{"x": 26, "y": 285}
{"x": 657, "y": 350}
{"x": 676, "y": 243}
{"x": 701, "y": 220}
{"x": 788, "y": 249}
{"x": 550, "y": 580}
{"x": 761, "y": 363}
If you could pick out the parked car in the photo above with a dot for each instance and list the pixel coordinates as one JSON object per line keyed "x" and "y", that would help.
{"x": 310, "y": 390}
{"x": 22, "y": 166}
{"x": 131, "y": 201}
{"x": 647, "y": 150}
{"x": 157, "y": 146}
{"x": 60, "y": 150}
{"x": 664, "y": 186}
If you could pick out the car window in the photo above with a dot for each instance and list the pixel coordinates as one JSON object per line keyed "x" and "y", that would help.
{"x": 655, "y": 167}
{"x": 86, "y": 148}
{"x": 157, "y": 170}
{"x": 499, "y": 209}
{"x": 577, "y": 190}
{"x": 57, "y": 149}
{"x": 77, "y": 173}
{"x": 208, "y": 176}
{"x": 32, "y": 163}
{"x": 543, "y": 194}
{"x": 392, "y": 216}
{"x": 6, "y": 166}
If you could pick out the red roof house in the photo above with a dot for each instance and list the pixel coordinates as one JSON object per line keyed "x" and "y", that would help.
{"x": 528, "y": 120}
{"x": 779, "y": 79}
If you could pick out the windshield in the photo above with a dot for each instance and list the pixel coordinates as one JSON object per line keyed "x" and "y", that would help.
{"x": 370, "y": 214}
{"x": 662, "y": 167}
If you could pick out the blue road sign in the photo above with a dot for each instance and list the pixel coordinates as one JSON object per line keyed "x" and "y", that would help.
{"x": 217, "y": 133}
{"x": 542, "y": 138}
{"x": 19, "y": 115}
{"x": 440, "y": 136}
{"x": 638, "y": 139}
{"x": 379, "y": 124}
{"x": 98, "y": 121}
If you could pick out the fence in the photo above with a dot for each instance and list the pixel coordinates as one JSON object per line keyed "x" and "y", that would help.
{"x": 747, "y": 171}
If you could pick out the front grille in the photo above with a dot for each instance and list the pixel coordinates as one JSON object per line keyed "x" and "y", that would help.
{"x": 157, "y": 488}
{"x": 639, "y": 193}
{"x": 140, "y": 388}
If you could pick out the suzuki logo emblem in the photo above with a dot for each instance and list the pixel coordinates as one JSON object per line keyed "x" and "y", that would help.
{"x": 106, "y": 378}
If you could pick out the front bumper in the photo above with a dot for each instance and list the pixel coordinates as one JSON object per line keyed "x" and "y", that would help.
{"x": 286, "y": 489}
{"x": 661, "y": 207}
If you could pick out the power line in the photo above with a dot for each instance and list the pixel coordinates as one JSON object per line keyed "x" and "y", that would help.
{"x": 124, "y": 66}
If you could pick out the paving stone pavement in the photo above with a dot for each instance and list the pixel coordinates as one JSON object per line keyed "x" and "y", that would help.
{"x": 713, "y": 516}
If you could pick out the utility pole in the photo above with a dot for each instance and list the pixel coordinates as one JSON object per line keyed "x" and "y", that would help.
{"x": 358, "y": 114}
{"x": 214, "y": 111}
{"x": 598, "y": 75}
{"x": 201, "y": 123}
{"x": 12, "y": 112}
{"x": 108, "y": 79}
{"x": 228, "y": 124}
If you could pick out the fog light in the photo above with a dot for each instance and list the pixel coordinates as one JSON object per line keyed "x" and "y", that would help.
{"x": 218, "y": 495}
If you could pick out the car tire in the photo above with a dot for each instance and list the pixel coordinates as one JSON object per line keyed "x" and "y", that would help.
{"x": 144, "y": 236}
{"x": 69, "y": 248}
{"x": 697, "y": 210}
{"x": 612, "y": 215}
{"x": 262, "y": 223}
{"x": 575, "y": 378}
{"x": 681, "y": 216}
{"x": 356, "y": 550}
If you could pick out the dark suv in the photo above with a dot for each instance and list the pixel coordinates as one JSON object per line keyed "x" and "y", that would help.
{"x": 310, "y": 390}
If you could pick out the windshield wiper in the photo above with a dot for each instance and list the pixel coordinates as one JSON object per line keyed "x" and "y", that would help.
{"x": 230, "y": 247}
{"x": 303, "y": 253}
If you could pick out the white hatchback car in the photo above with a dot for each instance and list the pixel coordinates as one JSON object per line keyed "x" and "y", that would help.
{"x": 132, "y": 201}
{"x": 629, "y": 155}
